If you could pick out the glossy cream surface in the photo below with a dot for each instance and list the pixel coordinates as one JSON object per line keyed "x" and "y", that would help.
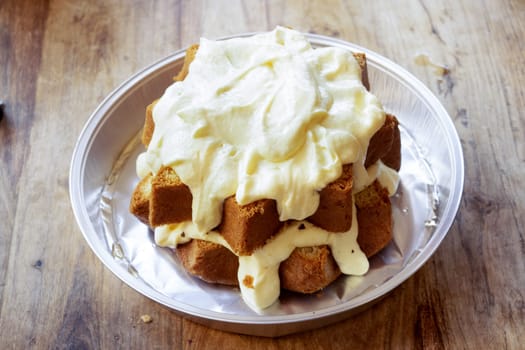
{"x": 262, "y": 117}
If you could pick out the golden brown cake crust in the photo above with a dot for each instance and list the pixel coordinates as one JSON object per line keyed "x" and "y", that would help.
{"x": 392, "y": 158}
{"x": 171, "y": 200}
{"x": 149, "y": 125}
{"x": 139, "y": 204}
{"x": 381, "y": 142}
{"x": 361, "y": 60}
{"x": 190, "y": 55}
{"x": 209, "y": 261}
{"x": 308, "y": 269}
{"x": 374, "y": 217}
{"x": 248, "y": 227}
{"x": 334, "y": 212}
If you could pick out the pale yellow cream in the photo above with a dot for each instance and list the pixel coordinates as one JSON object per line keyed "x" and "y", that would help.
{"x": 252, "y": 112}
{"x": 266, "y": 117}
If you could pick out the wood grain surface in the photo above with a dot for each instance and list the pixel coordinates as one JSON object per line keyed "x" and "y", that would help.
{"x": 60, "y": 58}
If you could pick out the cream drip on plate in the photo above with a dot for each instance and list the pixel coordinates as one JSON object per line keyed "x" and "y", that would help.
{"x": 268, "y": 117}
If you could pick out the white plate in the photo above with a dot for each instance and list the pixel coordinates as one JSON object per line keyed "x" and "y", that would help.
{"x": 102, "y": 176}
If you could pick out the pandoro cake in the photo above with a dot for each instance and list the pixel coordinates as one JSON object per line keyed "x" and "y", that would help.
{"x": 269, "y": 165}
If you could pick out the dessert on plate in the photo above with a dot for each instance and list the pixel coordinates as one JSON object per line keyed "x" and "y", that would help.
{"x": 269, "y": 165}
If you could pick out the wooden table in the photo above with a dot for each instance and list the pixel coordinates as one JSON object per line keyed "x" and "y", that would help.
{"x": 59, "y": 59}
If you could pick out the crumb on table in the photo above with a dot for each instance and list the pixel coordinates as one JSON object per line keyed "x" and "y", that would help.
{"x": 146, "y": 318}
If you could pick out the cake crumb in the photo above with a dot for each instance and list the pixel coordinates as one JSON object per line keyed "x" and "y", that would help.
{"x": 248, "y": 281}
{"x": 146, "y": 318}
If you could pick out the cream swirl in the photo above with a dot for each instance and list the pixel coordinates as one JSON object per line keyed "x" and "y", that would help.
{"x": 262, "y": 117}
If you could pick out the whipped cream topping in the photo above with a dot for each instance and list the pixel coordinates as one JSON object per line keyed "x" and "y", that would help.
{"x": 251, "y": 112}
{"x": 267, "y": 117}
